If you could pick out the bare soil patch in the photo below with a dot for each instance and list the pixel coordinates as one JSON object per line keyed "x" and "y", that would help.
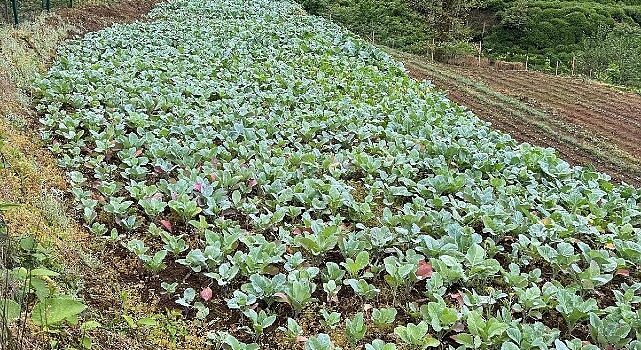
{"x": 95, "y": 17}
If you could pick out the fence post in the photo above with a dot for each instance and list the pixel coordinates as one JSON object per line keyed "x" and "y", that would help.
{"x": 557, "y": 68}
{"x": 480, "y": 49}
{"x": 527, "y": 61}
{"x": 573, "y": 63}
{"x": 433, "y": 48}
{"x": 14, "y": 7}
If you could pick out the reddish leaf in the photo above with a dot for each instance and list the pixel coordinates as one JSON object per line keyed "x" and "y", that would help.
{"x": 458, "y": 327}
{"x": 424, "y": 270}
{"x": 206, "y": 294}
{"x": 301, "y": 339}
{"x": 166, "y": 224}
{"x": 251, "y": 183}
{"x": 458, "y": 297}
{"x": 297, "y": 231}
{"x": 623, "y": 272}
{"x": 198, "y": 186}
{"x": 138, "y": 152}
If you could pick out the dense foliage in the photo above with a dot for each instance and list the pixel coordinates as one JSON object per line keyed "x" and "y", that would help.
{"x": 612, "y": 55}
{"x": 296, "y": 169}
{"x": 392, "y": 23}
{"x": 551, "y": 31}
{"x": 542, "y": 32}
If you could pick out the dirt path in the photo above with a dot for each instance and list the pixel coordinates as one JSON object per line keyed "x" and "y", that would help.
{"x": 588, "y": 123}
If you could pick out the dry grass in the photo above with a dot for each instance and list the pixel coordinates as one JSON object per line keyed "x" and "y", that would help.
{"x": 27, "y": 49}
{"x": 30, "y": 178}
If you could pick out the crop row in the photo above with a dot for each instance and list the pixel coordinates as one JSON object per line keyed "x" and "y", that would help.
{"x": 294, "y": 167}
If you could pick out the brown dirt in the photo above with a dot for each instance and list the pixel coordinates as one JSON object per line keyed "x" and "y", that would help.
{"x": 579, "y": 105}
{"x": 95, "y": 17}
{"x": 594, "y": 113}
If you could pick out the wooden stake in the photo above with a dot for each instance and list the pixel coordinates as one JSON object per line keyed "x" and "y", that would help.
{"x": 573, "y": 63}
{"x": 371, "y": 25}
{"x": 480, "y": 49}
{"x": 433, "y": 48}
{"x": 527, "y": 61}
{"x": 557, "y": 68}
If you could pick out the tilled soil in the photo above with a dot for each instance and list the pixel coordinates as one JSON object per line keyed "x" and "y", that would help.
{"x": 95, "y": 17}
{"x": 595, "y": 116}
{"x": 613, "y": 116}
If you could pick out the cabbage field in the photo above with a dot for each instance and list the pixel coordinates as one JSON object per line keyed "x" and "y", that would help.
{"x": 297, "y": 181}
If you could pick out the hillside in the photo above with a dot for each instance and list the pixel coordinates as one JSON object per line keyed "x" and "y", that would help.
{"x": 589, "y": 124}
{"x": 599, "y": 39}
{"x": 242, "y": 175}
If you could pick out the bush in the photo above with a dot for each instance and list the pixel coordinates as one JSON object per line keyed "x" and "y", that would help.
{"x": 391, "y": 23}
{"x": 447, "y": 50}
{"x": 314, "y": 7}
{"x": 612, "y": 55}
{"x": 539, "y": 26}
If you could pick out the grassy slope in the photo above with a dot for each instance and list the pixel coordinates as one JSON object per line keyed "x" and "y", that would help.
{"x": 30, "y": 177}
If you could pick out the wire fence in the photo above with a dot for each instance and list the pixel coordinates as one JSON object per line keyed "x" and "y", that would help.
{"x": 18, "y": 11}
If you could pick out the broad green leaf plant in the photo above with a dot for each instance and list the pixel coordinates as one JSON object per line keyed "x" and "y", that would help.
{"x": 289, "y": 168}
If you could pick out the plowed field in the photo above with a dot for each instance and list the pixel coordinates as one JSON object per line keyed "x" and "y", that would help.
{"x": 589, "y": 124}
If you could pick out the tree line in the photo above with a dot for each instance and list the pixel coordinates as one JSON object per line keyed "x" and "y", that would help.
{"x": 600, "y": 38}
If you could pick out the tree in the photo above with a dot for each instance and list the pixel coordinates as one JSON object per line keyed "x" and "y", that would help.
{"x": 515, "y": 16}
{"x": 612, "y": 55}
{"x": 448, "y": 17}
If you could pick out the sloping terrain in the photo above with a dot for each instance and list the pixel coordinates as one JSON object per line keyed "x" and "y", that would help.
{"x": 86, "y": 268}
{"x": 285, "y": 182}
{"x": 590, "y": 124}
